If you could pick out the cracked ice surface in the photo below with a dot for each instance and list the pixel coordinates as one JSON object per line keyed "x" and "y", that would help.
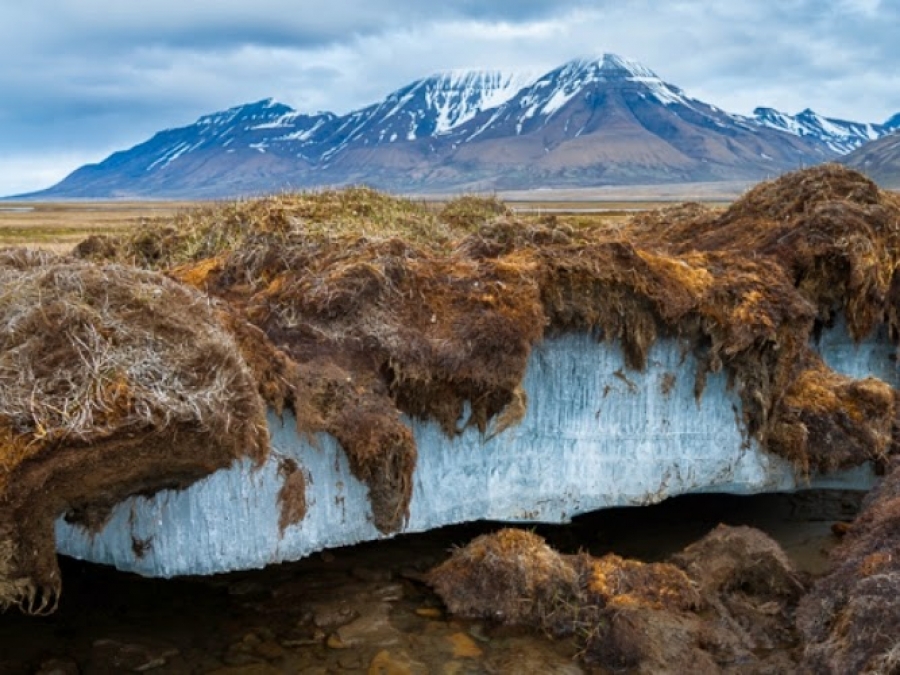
{"x": 595, "y": 435}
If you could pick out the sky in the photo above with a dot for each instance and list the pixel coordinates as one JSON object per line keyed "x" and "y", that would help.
{"x": 80, "y": 79}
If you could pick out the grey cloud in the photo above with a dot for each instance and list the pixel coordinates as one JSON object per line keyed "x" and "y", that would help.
{"x": 78, "y": 75}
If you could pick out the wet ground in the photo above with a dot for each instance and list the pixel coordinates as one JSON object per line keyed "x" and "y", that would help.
{"x": 364, "y": 609}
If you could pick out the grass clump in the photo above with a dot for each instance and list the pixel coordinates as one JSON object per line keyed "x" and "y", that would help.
{"x": 470, "y": 212}
{"x": 326, "y": 216}
{"x": 712, "y": 605}
{"x": 383, "y": 307}
{"x": 356, "y": 308}
{"x": 113, "y": 381}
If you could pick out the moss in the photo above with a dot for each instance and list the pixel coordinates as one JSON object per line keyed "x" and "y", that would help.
{"x": 386, "y": 307}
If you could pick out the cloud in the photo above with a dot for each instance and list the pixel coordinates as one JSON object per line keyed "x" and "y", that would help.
{"x": 21, "y": 173}
{"x": 80, "y": 76}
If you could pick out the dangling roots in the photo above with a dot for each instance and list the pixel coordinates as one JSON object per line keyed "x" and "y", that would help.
{"x": 22, "y": 592}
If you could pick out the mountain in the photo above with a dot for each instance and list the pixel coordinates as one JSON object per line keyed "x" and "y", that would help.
{"x": 216, "y": 155}
{"x": 841, "y": 136}
{"x": 880, "y": 160}
{"x": 611, "y": 120}
{"x": 429, "y": 107}
{"x": 596, "y": 120}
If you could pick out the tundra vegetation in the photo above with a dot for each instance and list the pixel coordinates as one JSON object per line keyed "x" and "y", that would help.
{"x": 352, "y": 307}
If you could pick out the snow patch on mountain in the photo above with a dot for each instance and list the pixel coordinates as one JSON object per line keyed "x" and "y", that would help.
{"x": 841, "y": 136}
{"x": 458, "y": 96}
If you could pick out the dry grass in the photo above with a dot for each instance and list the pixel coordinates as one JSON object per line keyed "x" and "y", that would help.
{"x": 113, "y": 380}
{"x": 58, "y": 226}
{"x": 354, "y": 307}
{"x": 702, "y": 608}
{"x": 389, "y": 306}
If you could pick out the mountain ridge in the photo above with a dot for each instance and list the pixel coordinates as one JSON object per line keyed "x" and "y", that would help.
{"x": 593, "y": 120}
{"x": 880, "y": 160}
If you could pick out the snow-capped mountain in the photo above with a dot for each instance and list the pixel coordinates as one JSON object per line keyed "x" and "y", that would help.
{"x": 534, "y": 105}
{"x": 432, "y": 106}
{"x": 880, "y": 159}
{"x": 608, "y": 119}
{"x": 594, "y": 120}
{"x": 841, "y": 136}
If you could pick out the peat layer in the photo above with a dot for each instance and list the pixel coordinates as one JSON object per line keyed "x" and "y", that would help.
{"x": 354, "y": 307}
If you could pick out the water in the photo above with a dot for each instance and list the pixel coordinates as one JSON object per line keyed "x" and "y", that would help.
{"x": 353, "y": 608}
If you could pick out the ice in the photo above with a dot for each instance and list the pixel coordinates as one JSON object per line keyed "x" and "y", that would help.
{"x": 595, "y": 435}
{"x": 875, "y": 356}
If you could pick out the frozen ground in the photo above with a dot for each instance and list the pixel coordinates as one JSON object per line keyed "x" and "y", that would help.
{"x": 595, "y": 435}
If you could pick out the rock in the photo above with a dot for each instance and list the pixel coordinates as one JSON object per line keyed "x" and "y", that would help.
{"x": 129, "y": 657}
{"x": 373, "y": 627}
{"x": 251, "y": 648}
{"x": 239, "y": 657}
{"x": 333, "y": 614}
{"x": 334, "y": 642}
{"x": 251, "y": 639}
{"x": 371, "y": 573}
{"x": 249, "y": 669}
{"x": 464, "y": 647}
{"x": 350, "y": 661}
{"x": 429, "y": 612}
{"x": 389, "y": 592}
{"x": 270, "y": 650}
{"x": 524, "y": 656}
{"x": 476, "y": 630}
{"x": 388, "y": 663}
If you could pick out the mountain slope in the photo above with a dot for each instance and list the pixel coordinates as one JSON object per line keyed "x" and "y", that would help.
{"x": 841, "y": 136}
{"x": 880, "y": 160}
{"x": 611, "y": 120}
{"x": 603, "y": 120}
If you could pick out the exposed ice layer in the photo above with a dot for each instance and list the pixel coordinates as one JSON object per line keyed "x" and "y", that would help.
{"x": 875, "y": 356}
{"x": 595, "y": 435}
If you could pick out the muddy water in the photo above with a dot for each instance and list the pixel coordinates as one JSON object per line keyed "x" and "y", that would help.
{"x": 364, "y": 609}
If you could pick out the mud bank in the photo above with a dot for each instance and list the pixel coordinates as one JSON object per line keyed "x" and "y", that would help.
{"x": 595, "y": 435}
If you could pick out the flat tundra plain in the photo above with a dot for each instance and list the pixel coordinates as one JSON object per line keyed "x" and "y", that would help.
{"x": 59, "y": 226}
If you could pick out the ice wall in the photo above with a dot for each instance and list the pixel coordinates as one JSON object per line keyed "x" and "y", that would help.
{"x": 595, "y": 435}
{"x": 875, "y": 356}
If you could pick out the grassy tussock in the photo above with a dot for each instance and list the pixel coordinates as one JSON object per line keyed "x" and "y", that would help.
{"x": 115, "y": 380}
{"x": 386, "y": 307}
{"x": 325, "y": 217}
{"x": 354, "y": 307}
{"x": 691, "y": 612}
{"x": 851, "y": 619}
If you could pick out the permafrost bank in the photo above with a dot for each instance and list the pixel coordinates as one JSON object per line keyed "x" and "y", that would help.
{"x": 595, "y": 435}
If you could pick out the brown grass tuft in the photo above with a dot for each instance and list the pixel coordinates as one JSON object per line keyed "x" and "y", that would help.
{"x": 354, "y": 308}
{"x": 851, "y": 619}
{"x": 113, "y": 381}
{"x": 724, "y": 597}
